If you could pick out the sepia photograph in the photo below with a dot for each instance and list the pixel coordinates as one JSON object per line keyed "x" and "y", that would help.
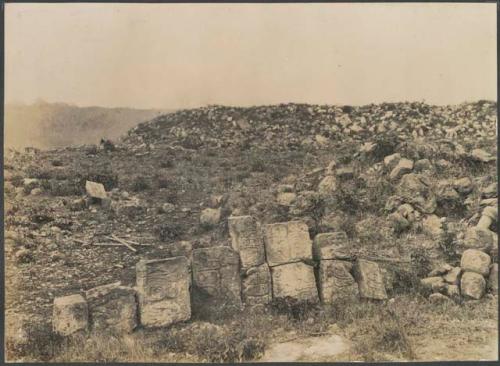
{"x": 250, "y": 182}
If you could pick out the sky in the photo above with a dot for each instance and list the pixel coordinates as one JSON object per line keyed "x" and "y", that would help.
{"x": 189, "y": 55}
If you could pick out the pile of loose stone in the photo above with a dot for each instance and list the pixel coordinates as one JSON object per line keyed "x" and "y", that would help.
{"x": 277, "y": 261}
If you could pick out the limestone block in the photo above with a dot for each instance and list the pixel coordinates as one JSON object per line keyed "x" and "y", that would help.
{"x": 70, "y": 314}
{"x": 335, "y": 281}
{"x": 256, "y": 286}
{"x": 295, "y": 280}
{"x": 247, "y": 240}
{"x": 472, "y": 285}
{"x": 216, "y": 271}
{"x": 163, "y": 291}
{"x": 287, "y": 242}
{"x": 370, "y": 280}
{"x": 112, "y": 308}
{"x": 332, "y": 246}
{"x": 475, "y": 261}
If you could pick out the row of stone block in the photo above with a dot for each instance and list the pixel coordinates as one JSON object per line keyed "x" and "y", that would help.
{"x": 161, "y": 297}
{"x": 274, "y": 259}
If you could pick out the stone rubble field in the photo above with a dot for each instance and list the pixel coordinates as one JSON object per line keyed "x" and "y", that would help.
{"x": 261, "y": 210}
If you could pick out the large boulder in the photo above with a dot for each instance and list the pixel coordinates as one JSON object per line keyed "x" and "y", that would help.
{"x": 163, "y": 291}
{"x": 472, "y": 285}
{"x": 112, "y": 308}
{"x": 370, "y": 280}
{"x": 475, "y": 261}
{"x": 287, "y": 242}
{"x": 295, "y": 280}
{"x": 332, "y": 246}
{"x": 216, "y": 271}
{"x": 70, "y": 315}
{"x": 335, "y": 281}
{"x": 256, "y": 287}
{"x": 247, "y": 240}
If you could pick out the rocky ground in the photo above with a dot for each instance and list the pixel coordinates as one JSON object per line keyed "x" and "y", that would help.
{"x": 407, "y": 182}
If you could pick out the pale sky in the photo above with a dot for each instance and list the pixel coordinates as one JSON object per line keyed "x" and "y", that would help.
{"x": 188, "y": 55}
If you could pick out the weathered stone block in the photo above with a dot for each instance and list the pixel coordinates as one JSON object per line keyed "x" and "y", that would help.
{"x": 247, "y": 240}
{"x": 112, "y": 308}
{"x": 256, "y": 286}
{"x": 163, "y": 291}
{"x": 70, "y": 314}
{"x": 404, "y": 166}
{"x": 216, "y": 271}
{"x": 472, "y": 285}
{"x": 478, "y": 238}
{"x": 295, "y": 280}
{"x": 332, "y": 246}
{"x": 475, "y": 261}
{"x": 287, "y": 242}
{"x": 335, "y": 281}
{"x": 370, "y": 280}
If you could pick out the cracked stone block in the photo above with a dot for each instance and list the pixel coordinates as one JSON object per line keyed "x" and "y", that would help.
{"x": 331, "y": 246}
{"x": 247, "y": 240}
{"x": 287, "y": 242}
{"x": 336, "y": 282}
{"x": 163, "y": 291}
{"x": 112, "y": 308}
{"x": 295, "y": 280}
{"x": 70, "y": 314}
{"x": 216, "y": 271}
{"x": 370, "y": 280}
{"x": 256, "y": 286}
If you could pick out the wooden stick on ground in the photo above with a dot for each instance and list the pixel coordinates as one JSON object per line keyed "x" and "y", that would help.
{"x": 123, "y": 242}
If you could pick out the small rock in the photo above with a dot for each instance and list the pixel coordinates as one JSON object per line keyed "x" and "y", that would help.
{"x": 481, "y": 156}
{"x": 441, "y": 270}
{"x": 210, "y": 216}
{"x": 286, "y": 198}
{"x": 463, "y": 185}
{"x": 391, "y": 161}
{"x": 95, "y": 190}
{"x": 489, "y": 191}
{"x": 36, "y": 191}
{"x": 453, "y": 277}
{"x": 432, "y": 226}
{"x": 493, "y": 278}
{"x": 422, "y": 165}
{"x": 472, "y": 285}
{"x": 403, "y": 167}
{"x": 452, "y": 291}
{"x": 345, "y": 173}
{"x": 435, "y": 284}
{"x": 327, "y": 185}
{"x": 475, "y": 261}
{"x": 168, "y": 207}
